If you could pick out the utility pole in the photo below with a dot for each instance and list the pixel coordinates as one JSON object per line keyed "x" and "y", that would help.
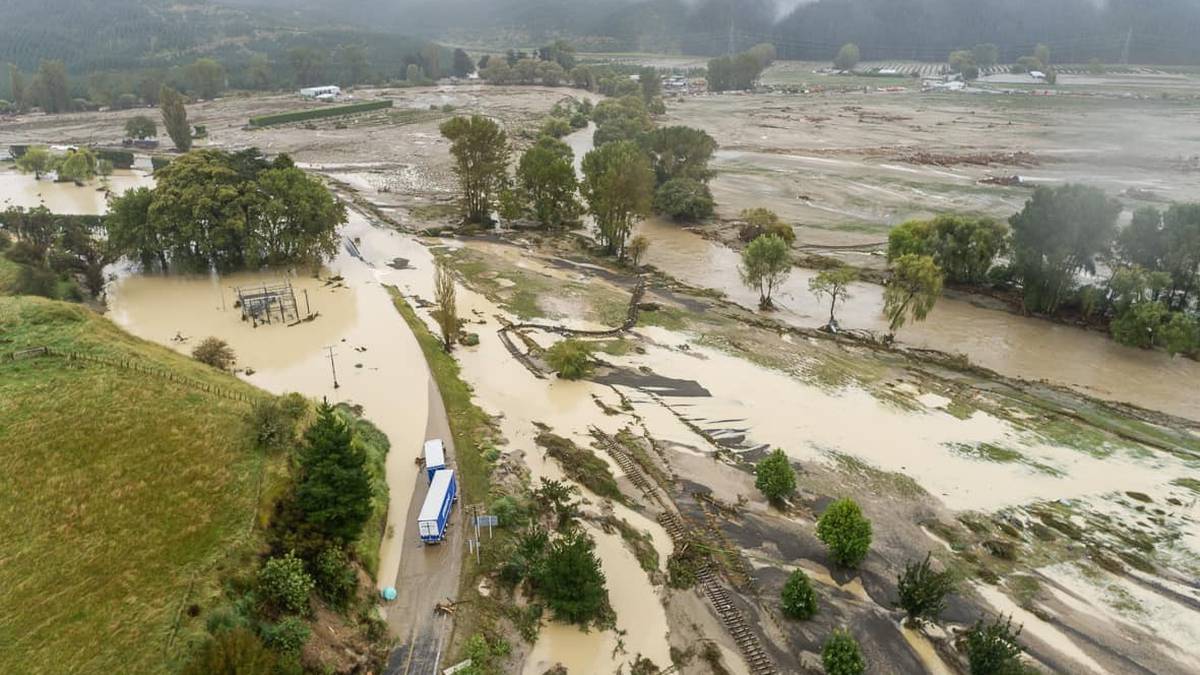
{"x": 1126, "y": 48}
{"x": 332, "y": 367}
{"x": 731, "y": 43}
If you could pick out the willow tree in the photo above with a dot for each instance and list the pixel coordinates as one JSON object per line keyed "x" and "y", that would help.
{"x": 175, "y": 119}
{"x": 618, "y": 185}
{"x": 480, "y": 149}
{"x": 912, "y": 291}
{"x": 766, "y": 264}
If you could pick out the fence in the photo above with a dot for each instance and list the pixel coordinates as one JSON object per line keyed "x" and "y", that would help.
{"x": 134, "y": 365}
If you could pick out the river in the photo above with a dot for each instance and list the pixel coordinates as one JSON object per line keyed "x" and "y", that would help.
{"x": 1010, "y": 344}
{"x": 17, "y": 189}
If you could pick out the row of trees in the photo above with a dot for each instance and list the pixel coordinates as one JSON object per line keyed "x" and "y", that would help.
{"x": 214, "y": 209}
{"x": 58, "y": 256}
{"x": 77, "y": 165}
{"x": 1144, "y": 280}
{"x": 53, "y": 91}
{"x": 739, "y": 71}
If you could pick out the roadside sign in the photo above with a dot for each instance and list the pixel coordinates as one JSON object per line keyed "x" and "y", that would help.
{"x": 487, "y": 521}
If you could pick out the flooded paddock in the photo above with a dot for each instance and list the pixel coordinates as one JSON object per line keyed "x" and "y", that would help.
{"x": 378, "y": 361}
{"x": 18, "y": 189}
{"x": 1010, "y": 344}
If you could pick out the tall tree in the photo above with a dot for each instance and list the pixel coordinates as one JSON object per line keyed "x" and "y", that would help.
{"x": 766, "y": 263}
{"x": 16, "y": 84}
{"x": 36, "y": 160}
{"x": 295, "y": 219}
{"x": 679, "y": 152}
{"x": 446, "y": 305}
{"x": 847, "y": 57}
{"x": 206, "y": 78}
{"x": 835, "y": 283}
{"x": 1059, "y": 232}
{"x": 308, "y": 65}
{"x": 463, "y": 65}
{"x": 175, "y": 118}
{"x": 546, "y": 181}
{"x": 334, "y": 487}
{"x": 617, "y": 185}
{"x": 912, "y": 290}
{"x": 352, "y": 64}
{"x": 1181, "y": 224}
{"x": 650, "y": 82}
{"x": 52, "y": 86}
{"x": 130, "y": 230}
{"x": 571, "y": 580}
{"x": 480, "y": 149}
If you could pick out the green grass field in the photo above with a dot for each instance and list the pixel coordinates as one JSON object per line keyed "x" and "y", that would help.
{"x": 126, "y": 498}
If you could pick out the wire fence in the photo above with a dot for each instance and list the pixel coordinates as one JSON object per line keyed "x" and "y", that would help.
{"x": 135, "y": 366}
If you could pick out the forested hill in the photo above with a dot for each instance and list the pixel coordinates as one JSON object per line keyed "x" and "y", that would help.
{"x": 1153, "y": 31}
{"x": 126, "y": 35}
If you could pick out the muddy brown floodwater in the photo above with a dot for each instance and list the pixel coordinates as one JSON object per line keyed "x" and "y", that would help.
{"x": 379, "y": 363}
{"x": 1010, "y": 344}
{"x": 17, "y": 189}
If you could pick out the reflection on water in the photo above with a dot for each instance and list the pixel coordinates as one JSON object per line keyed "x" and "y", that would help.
{"x": 1007, "y": 343}
{"x": 17, "y": 189}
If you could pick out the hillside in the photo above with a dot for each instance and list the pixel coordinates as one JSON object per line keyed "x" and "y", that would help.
{"x": 127, "y": 497}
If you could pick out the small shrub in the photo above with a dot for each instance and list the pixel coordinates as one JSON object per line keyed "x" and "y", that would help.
{"x": 922, "y": 590}
{"x": 845, "y": 531}
{"x": 509, "y": 511}
{"x": 232, "y": 651}
{"x": 214, "y": 352}
{"x": 571, "y": 359}
{"x": 774, "y": 477}
{"x": 286, "y": 637}
{"x": 273, "y": 421}
{"x": 992, "y": 648}
{"x": 841, "y": 655}
{"x": 636, "y": 249}
{"x": 798, "y": 600}
{"x": 334, "y": 576}
{"x": 283, "y": 584}
{"x": 26, "y": 253}
{"x": 5, "y": 240}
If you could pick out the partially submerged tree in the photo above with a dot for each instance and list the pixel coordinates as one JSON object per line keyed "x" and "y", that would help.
{"x": 37, "y": 160}
{"x": 77, "y": 165}
{"x": 845, "y": 531}
{"x": 835, "y": 283}
{"x": 617, "y": 184}
{"x": 636, "y": 249}
{"x": 923, "y": 590}
{"x": 571, "y": 580}
{"x": 912, "y": 290}
{"x": 684, "y": 199}
{"x": 759, "y": 221}
{"x": 679, "y": 152}
{"x": 480, "y": 149}
{"x": 175, "y": 118}
{"x": 1058, "y": 233}
{"x": 570, "y": 358}
{"x": 775, "y": 477}
{"x": 214, "y": 352}
{"x": 766, "y": 263}
{"x": 444, "y": 297}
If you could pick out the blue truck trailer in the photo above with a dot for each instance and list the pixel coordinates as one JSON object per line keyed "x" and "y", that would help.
{"x": 435, "y": 457}
{"x": 435, "y": 512}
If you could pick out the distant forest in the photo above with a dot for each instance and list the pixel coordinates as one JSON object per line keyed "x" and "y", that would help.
{"x": 1153, "y": 31}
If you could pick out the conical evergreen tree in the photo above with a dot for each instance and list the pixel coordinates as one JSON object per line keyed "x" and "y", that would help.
{"x": 334, "y": 489}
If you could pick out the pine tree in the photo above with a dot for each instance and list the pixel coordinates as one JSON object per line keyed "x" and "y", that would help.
{"x": 334, "y": 490}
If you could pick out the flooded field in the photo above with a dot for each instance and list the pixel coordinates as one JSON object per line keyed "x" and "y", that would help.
{"x": 17, "y": 189}
{"x": 1007, "y": 343}
{"x": 379, "y": 364}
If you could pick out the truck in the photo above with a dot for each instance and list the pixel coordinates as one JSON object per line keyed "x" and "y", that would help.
{"x": 435, "y": 457}
{"x": 435, "y": 512}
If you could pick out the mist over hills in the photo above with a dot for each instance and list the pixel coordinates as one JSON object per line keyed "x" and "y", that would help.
{"x": 1153, "y": 31}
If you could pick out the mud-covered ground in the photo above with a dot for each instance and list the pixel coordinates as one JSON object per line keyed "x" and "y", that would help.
{"x": 1076, "y": 516}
